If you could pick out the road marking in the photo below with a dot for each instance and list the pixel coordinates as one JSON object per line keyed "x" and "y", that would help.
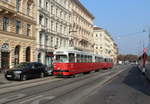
{"x": 37, "y": 99}
{"x": 7, "y": 99}
{"x": 13, "y": 83}
{"x": 9, "y": 89}
{"x": 34, "y": 98}
{"x": 45, "y": 98}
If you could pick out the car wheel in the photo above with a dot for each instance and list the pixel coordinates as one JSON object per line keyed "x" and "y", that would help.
{"x": 23, "y": 77}
{"x": 42, "y": 75}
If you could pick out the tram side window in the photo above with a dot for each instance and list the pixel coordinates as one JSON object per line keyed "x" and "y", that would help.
{"x": 71, "y": 57}
{"x": 101, "y": 59}
{"x": 86, "y": 58}
{"x": 89, "y": 58}
{"x": 110, "y": 60}
{"x": 82, "y": 58}
{"x": 78, "y": 58}
{"x": 61, "y": 58}
{"x": 105, "y": 60}
{"x": 96, "y": 59}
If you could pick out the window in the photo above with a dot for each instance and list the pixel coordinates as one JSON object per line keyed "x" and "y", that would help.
{"x": 18, "y": 26}
{"x": 96, "y": 35}
{"x": 60, "y": 28}
{"x": 52, "y": 9}
{"x": 52, "y": 41}
{"x": 71, "y": 57}
{"x": 46, "y": 40}
{"x": 28, "y": 29}
{"x": 46, "y": 20}
{"x": 60, "y": 14}
{"x": 40, "y": 3}
{"x": 56, "y": 12}
{"x": 28, "y": 9}
{"x": 17, "y": 5}
{"x": 61, "y": 58}
{"x": 64, "y": 30}
{"x": 60, "y": 42}
{"x": 56, "y": 27}
{"x": 57, "y": 41}
{"x": 78, "y": 58}
{"x": 40, "y": 38}
{"x": 46, "y": 6}
{"x": 52, "y": 25}
{"x": 40, "y": 19}
{"x": 82, "y": 58}
{"x": 5, "y": 24}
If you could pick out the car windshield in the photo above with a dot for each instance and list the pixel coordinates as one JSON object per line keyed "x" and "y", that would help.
{"x": 61, "y": 58}
{"x": 21, "y": 65}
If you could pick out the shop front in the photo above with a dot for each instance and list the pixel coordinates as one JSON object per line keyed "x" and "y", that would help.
{"x": 12, "y": 54}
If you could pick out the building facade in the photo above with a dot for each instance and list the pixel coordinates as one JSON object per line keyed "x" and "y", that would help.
{"x": 104, "y": 44}
{"x": 82, "y": 27}
{"x": 53, "y": 28}
{"x": 17, "y": 32}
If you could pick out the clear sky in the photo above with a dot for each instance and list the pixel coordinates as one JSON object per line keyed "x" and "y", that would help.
{"x": 124, "y": 20}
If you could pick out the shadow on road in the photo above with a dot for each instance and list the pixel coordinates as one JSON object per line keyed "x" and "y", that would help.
{"x": 136, "y": 80}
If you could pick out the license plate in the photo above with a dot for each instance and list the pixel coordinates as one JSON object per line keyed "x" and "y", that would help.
{"x": 9, "y": 76}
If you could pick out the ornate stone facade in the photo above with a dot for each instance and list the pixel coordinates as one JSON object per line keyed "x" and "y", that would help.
{"x": 53, "y": 25}
{"x": 17, "y": 32}
{"x": 104, "y": 44}
{"x": 82, "y": 27}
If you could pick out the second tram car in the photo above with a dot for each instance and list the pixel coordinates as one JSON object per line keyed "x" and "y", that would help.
{"x": 68, "y": 62}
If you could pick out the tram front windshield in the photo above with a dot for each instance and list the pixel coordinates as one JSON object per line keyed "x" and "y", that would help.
{"x": 61, "y": 58}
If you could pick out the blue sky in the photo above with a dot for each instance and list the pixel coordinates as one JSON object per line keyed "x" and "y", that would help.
{"x": 124, "y": 20}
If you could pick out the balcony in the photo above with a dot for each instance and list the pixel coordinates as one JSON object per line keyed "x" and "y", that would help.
{"x": 85, "y": 38}
{"x": 7, "y": 7}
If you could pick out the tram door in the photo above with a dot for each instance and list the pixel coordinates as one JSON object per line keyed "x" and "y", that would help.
{"x": 5, "y": 60}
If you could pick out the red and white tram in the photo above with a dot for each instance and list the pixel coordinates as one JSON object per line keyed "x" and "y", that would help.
{"x": 70, "y": 62}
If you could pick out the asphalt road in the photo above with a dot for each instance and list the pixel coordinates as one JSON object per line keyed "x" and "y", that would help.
{"x": 121, "y": 85}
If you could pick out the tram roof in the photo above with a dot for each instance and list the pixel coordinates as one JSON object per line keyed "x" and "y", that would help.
{"x": 72, "y": 50}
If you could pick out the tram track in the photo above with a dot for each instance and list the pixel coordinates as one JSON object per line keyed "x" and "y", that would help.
{"x": 17, "y": 83}
{"x": 60, "y": 84}
{"x": 100, "y": 81}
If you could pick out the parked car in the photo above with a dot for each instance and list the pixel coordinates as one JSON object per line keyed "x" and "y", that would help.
{"x": 26, "y": 70}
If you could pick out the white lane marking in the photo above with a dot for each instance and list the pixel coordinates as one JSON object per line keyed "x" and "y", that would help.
{"x": 45, "y": 98}
{"x": 34, "y": 98}
{"x": 6, "y": 99}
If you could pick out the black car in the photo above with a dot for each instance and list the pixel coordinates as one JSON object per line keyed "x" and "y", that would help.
{"x": 26, "y": 70}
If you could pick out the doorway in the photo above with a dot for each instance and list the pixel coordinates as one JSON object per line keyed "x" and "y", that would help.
{"x": 28, "y": 54}
{"x": 5, "y": 56}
